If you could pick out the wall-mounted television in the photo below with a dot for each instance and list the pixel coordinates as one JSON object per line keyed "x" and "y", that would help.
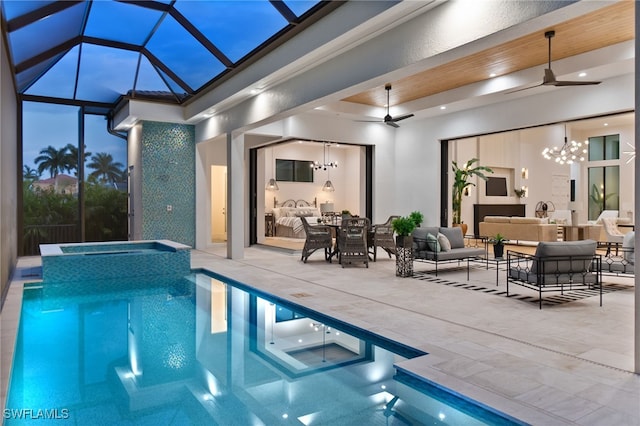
{"x": 496, "y": 186}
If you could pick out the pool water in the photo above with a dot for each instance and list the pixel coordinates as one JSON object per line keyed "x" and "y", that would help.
{"x": 201, "y": 350}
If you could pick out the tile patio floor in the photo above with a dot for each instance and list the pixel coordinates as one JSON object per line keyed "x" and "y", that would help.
{"x": 565, "y": 364}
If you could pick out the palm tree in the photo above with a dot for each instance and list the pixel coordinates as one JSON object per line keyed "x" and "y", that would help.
{"x": 461, "y": 182}
{"x": 105, "y": 169}
{"x": 73, "y": 157}
{"x": 53, "y": 160}
{"x": 30, "y": 174}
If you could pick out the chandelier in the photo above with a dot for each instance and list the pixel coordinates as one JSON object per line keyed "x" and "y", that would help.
{"x": 568, "y": 153}
{"x": 324, "y": 165}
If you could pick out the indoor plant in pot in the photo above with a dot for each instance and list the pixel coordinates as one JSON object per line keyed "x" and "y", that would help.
{"x": 461, "y": 176}
{"x": 498, "y": 241}
{"x": 417, "y": 218}
{"x": 403, "y": 227}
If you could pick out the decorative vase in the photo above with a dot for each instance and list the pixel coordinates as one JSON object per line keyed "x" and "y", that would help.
{"x": 498, "y": 250}
{"x": 463, "y": 227}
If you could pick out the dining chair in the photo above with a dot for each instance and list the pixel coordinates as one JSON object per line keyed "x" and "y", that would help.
{"x": 352, "y": 241}
{"x": 613, "y": 235}
{"x": 317, "y": 237}
{"x": 381, "y": 235}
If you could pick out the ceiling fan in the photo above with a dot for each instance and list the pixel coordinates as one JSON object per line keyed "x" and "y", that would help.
{"x": 549, "y": 78}
{"x": 388, "y": 120}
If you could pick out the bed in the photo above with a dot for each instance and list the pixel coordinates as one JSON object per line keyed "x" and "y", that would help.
{"x": 286, "y": 217}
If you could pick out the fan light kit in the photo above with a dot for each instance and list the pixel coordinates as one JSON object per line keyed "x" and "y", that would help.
{"x": 568, "y": 153}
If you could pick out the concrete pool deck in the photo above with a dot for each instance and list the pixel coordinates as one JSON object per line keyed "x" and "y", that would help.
{"x": 562, "y": 365}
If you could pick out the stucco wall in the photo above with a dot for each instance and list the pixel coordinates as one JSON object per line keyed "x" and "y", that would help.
{"x": 8, "y": 174}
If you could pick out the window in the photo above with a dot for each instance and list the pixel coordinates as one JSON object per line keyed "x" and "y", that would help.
{"x": 604, "y": 148}
{"x": 604, "y": 188}
{"x": 53, "y": 196}
{"x": 294, "y": 170}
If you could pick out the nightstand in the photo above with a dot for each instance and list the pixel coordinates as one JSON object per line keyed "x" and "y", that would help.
{"x": 269, "y": 225}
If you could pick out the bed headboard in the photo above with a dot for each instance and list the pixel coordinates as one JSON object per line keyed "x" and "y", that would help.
{"x": 295, "y": 203}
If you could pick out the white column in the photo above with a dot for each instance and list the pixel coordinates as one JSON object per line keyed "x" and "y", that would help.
{"x": 235, "y": 198}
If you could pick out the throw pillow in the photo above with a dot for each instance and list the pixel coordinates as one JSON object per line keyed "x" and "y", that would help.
{"x": 445, "y": 245}
{"x": 432, "y": 243}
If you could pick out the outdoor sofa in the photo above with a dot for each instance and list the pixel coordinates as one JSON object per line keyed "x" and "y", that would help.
{"x": 441, "y": 244}
{"x": 557, "y": 266}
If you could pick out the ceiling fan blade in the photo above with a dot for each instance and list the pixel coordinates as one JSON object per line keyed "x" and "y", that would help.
{"x": 524, "y": 88}
{"x": 576, "y": 83}
{"x": 402, "y": 117}
{"x": 391, "y": 123}
{"x": 550, "y": 80}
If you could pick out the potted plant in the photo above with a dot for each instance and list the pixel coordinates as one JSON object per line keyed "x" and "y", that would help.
{"x": 417, "y": 218}
{"x": 461, "y": 176}
{"x": 498, "y": 241}
{"x": 346, "y": 214}
{"x": 520, "y": 193}
{"x": 403, "y": 227}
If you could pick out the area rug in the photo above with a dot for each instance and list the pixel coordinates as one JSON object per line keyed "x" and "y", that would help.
{"x": 548, "y": 299}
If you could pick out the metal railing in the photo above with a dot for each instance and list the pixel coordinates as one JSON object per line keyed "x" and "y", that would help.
{"x": 34, "y": 235}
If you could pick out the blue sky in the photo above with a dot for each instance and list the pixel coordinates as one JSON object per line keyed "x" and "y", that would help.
{"x": 57, "y": 125}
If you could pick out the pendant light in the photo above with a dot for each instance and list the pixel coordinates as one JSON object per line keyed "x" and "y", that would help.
{"x": 568, "y": 153}
{"x": 272, "y": 185}
{"x": 328, "y": 186}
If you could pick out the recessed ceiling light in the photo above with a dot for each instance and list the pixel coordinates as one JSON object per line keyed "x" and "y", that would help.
{"x": 443, "y": 107}
{"x": 493, "y": 74}
{"x": 582, "y": 74}
{"x": 606, "y": 124}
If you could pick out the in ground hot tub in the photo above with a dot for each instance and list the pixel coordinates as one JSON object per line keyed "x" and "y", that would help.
{"x": 77, "y": 261}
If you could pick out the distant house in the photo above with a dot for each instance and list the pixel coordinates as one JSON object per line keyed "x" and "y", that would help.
{"x": 62, "y": 184}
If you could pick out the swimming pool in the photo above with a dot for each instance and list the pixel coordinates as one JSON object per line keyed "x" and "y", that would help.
{"x": 204, "y": 350}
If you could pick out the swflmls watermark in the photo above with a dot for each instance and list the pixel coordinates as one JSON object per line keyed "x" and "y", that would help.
{"x": 36, "y": 414}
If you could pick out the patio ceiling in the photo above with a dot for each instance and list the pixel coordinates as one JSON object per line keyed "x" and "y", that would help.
{"x": 604, "y": 27}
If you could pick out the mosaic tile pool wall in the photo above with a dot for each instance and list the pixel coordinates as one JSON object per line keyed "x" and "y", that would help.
{"x": 77, "y": 262}
{"x": 168, "y": 179}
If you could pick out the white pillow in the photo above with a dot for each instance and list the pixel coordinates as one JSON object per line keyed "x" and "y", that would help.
{"x": 277, "y": 213}
{"x": 445, "y": 244}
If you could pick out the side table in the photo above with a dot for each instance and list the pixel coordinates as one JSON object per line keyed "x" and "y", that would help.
{"x": 268, "y": 225}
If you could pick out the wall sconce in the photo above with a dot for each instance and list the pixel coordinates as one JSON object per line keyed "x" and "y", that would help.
{"x": 525, "y": 173}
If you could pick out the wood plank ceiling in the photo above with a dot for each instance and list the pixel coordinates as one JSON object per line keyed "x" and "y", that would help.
{"x": 604, "y": 27}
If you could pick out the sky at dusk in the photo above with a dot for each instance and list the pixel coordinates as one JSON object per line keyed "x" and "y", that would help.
{"x": 57, "y": 125}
